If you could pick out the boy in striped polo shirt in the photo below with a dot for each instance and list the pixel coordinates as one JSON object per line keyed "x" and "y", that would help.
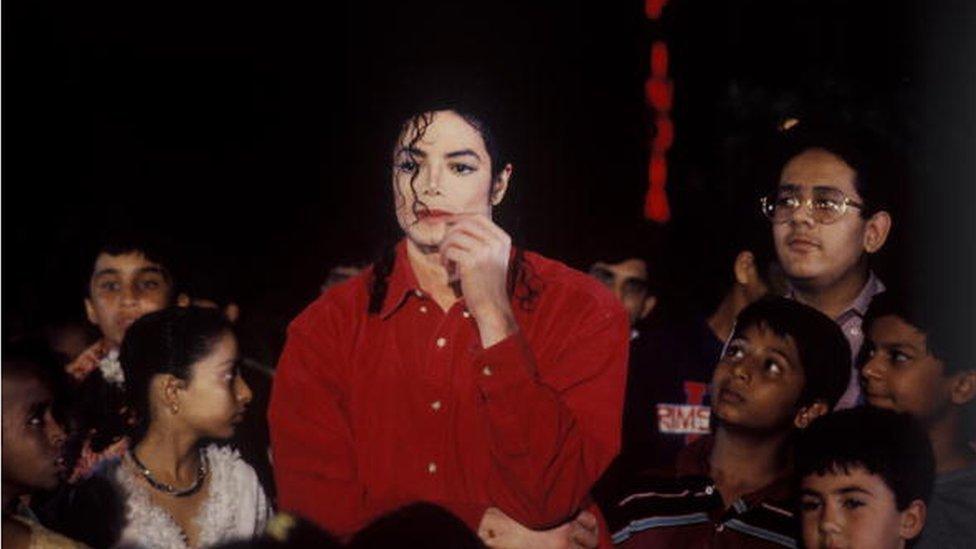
{"x": 785, "y": 365}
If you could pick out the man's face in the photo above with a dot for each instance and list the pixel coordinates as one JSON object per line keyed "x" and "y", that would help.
{"x": 812, "y": 253}
{"x": 758, "y": 381}
{"x": 901, "y": 374}
{"x": 122, "y": 289}
{"x": 628, "y": 281}
{"x": 32, "y": 439}
{"x": 446, "y": 172}
{"x": 855, "y": 510}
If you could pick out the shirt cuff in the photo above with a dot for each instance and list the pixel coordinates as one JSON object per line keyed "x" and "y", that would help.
{"x": 508, "y": 363}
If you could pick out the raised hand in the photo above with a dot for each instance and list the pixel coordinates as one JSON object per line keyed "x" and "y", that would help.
{"x": 476, "y": 252}
{"x": 87, "y": 361}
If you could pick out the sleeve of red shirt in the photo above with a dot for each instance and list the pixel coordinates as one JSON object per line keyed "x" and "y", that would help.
{"x": 312, "y": 447}
{"x": 555, "y": 427}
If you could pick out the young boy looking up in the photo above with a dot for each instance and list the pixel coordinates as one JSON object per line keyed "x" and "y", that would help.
{"x": 907, "y": 369}
{"x": 866, "y": 474}
{"x": 785, "y": 365}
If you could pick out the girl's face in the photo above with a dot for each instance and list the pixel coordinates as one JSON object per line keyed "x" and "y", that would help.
{"x": 215, "y": 398}
{"x": 446, "y": 171}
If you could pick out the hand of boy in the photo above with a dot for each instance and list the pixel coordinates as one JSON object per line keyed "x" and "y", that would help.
{"x": 86, "y": 362}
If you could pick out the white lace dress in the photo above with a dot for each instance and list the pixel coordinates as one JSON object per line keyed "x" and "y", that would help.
{"x": 236, "y": 507}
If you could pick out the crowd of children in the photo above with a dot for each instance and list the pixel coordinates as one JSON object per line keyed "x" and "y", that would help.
{"x": 462, "y": 392}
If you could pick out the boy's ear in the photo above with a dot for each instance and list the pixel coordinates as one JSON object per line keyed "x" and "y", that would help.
{"x": 744, "y": 268}
{"x": 963, "y": 387}
{"x": 876, "y": 231}
{"x": 649, "y": 303}
{"x": 912, "y": 520}
{"x": 90, "y": 311}
{"x": 805, "y": 416}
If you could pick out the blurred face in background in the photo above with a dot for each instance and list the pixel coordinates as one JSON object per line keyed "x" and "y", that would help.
{"x": 122, "y": 289}
{"x": 628, "y": 280}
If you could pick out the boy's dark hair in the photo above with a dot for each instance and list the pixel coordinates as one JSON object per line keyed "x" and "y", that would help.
{"x": 169, "y": 341}
{"x": 31, "y": 358}
{"x": 880, "y": 168}
{"x": 412, "y": 526}
{"x": 889, "y": 444}
{"x": 824, "y": 353}
{"x": 622, "y": 241}
{"x": 920, "y": 314}
{"x": 156, "y": 250}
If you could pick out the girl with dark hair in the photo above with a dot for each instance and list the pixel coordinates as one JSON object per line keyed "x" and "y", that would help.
{"x": 457, "y": 369}
{"x": 183, "y": 388}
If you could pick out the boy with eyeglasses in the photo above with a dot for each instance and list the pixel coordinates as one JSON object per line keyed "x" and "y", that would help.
{"x": 828, "y": 218}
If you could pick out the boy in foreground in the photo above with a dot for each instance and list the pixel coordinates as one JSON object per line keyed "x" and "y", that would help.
{"x": 866, "y": 475}
{"x": 785, "y": 365}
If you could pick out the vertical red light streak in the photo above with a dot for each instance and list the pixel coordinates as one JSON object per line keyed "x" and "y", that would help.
{"x": 659, "y": 95}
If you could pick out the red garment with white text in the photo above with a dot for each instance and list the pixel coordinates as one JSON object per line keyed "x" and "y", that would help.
{"x": 370, "y": 412}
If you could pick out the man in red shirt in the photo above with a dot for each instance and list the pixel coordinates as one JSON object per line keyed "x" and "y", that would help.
{"x": 456, "y": 370}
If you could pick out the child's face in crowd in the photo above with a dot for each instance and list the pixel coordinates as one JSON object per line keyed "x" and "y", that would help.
{"x": 628, "y": 281}
{"x": 122, "y": 289}
{"x": 817, "y": 254}
{"x": 855, "y": 510}
{"x": 758, "y": 381}
{"x": 32, "y": 439}
{"x": 901, "y": 374}
{"x": 449, "y": 171}
{"x": 214, "y": 399}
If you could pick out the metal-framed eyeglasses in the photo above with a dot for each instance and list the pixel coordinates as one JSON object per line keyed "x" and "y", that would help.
{"x": 826, "y": 204}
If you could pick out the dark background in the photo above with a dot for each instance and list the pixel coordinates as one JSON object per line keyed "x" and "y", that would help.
{"x": 253, "y": 136}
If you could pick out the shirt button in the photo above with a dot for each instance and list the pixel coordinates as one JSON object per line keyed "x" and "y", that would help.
{"x": 441, "y": 342}
{"x": 855, "y": 331}
{"x": 432, "y": 467}
{"x": 708, "y": 489}
{"x": 418, "y": 293}
{"x": 486, "y": 370}
{"x": 423, "y": 308}
{"x": 466, "y": 314}
{"x": 436, "y": 405}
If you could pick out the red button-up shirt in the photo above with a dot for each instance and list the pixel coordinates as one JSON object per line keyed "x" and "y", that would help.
{"x": 370, "y": 412}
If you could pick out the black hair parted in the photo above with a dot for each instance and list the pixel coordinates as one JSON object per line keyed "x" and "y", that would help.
{"x": 825, "y": 355}
{"x": 927, "y": 317}
{"x": 889, "y": 444}
{"x": 168, "y": 341}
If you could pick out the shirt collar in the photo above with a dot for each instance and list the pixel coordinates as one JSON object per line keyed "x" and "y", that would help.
{"x": 695, "y": 460}
{"x": 873, "y": 287}
{"x": 860, "y": 305}
{"x": 401, "y": 284}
